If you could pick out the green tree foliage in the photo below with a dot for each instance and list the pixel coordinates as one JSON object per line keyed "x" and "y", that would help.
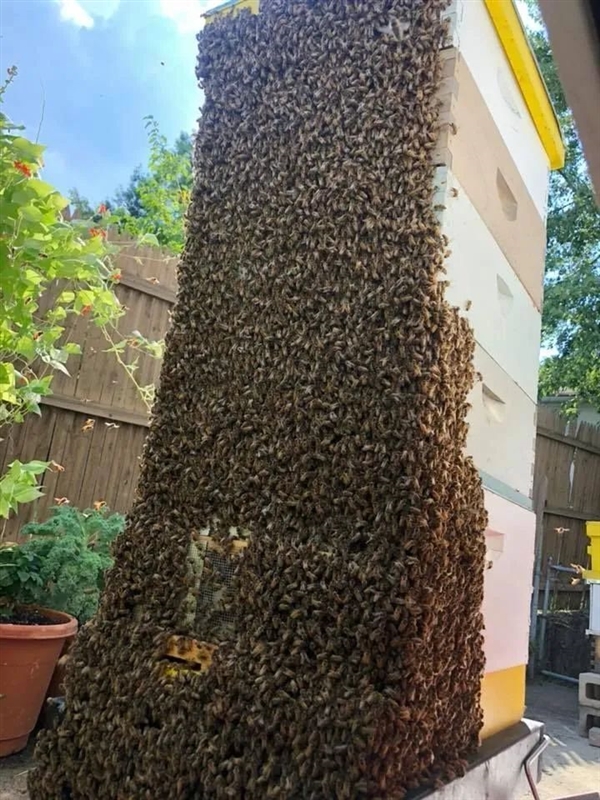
{"x": 62, "y": 562}
{"x": 156, "y": 199}
{"x": 80, "y": 205}
{"x": 570, "y": 328}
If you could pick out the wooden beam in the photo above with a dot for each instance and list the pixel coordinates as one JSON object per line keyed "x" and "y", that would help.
{"x": 92, "y": 409}
{"x": 147, "y": 287}
{"x": 572, "y": 513}
{"x": 572, "y": 441}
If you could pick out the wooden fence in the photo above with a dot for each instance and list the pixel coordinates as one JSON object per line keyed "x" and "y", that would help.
{"x": 95, "y": 422}
{"x": 567, "y": 480}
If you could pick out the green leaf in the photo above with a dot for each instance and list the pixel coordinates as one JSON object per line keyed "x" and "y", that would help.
{"x": 7, "y": 383}
{"x": 149, "y": 239}
{"x": 41, "y": 188}
{"x": 86, "y": 297}
{"x": 57, "y": 201}
{"x": 30, "y": 213}
{"x": 24, "y": 149}
{"x": 55, "y": 364}
{"x": 35, "y": 467}
{"x": 40, "y": 386}
{"x": 25, "y": 346}
{"x": 27, "y": 494}
{"x": 33, "y": 276}
{"x": 34, "y": 244}
{"x": 72, "y": 348}
{"x": 66, "y": 297}
{"x": 57, "y": 314}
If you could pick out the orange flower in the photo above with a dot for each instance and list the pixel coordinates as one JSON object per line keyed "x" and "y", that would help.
{"x": 116, "y": 276}
{"x": 23, "y": 168}
{"x": 102, "y": 209}
{"x": 98, "y": 232}
{"x": 85, "y": 310}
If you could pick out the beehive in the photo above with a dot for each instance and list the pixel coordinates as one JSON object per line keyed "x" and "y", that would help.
{"x": 494, "y": 158}
{"x": 314, "y": 396}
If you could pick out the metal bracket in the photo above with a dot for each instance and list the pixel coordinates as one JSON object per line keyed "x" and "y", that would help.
{"x": 531, "y": 758}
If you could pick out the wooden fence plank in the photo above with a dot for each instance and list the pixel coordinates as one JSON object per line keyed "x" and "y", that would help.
{"x": 96, "y": 410}
{"x": 571, "y": 513}
{"x": 146, "y": 287}
{"x": 573, "y": 441}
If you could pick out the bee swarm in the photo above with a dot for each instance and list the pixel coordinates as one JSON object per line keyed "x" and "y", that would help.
{"x": 313, "y": 394}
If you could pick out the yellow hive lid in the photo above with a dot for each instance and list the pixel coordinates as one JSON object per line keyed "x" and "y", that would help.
{"x": 231, "y": 7}
{"x": 513, "y": 37}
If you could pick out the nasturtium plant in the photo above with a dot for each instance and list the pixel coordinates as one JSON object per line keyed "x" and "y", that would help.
{"x": 19, "y": 485}
{"x": 50, "y": 269}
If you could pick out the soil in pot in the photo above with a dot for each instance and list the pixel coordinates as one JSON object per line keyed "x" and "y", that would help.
{"x": 27, "y": 616}
{"x": 29, "y": 649}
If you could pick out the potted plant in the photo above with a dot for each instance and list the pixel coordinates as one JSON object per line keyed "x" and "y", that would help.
{"x": 49, "y": 582}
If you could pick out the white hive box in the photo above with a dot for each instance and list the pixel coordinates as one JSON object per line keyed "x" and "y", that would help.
{"x": 498, "y": 142}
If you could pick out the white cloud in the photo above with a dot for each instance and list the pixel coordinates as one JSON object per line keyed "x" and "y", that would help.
{"x": 73, "y": 11}
{"x": 83, "y": 13}
{"x": 186, "y": 14}
{"x": 100, "y": 9}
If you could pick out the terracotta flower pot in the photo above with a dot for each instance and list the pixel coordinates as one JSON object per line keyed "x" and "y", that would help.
{"x": 28, "y": 656}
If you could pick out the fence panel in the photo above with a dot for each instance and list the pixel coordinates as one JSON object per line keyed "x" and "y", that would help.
{"x": 568, "y": 455}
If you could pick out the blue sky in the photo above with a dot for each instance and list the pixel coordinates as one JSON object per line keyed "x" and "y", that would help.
{"x": 89, "y": 71}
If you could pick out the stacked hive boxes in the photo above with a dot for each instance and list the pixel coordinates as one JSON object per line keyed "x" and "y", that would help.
{"x": 498, "y": 143}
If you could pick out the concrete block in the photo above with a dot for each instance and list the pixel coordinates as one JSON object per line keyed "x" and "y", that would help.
{"x": 594, "y": 737}
{"x": 588, "y": 718}
{"x": 589, "y": 690}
